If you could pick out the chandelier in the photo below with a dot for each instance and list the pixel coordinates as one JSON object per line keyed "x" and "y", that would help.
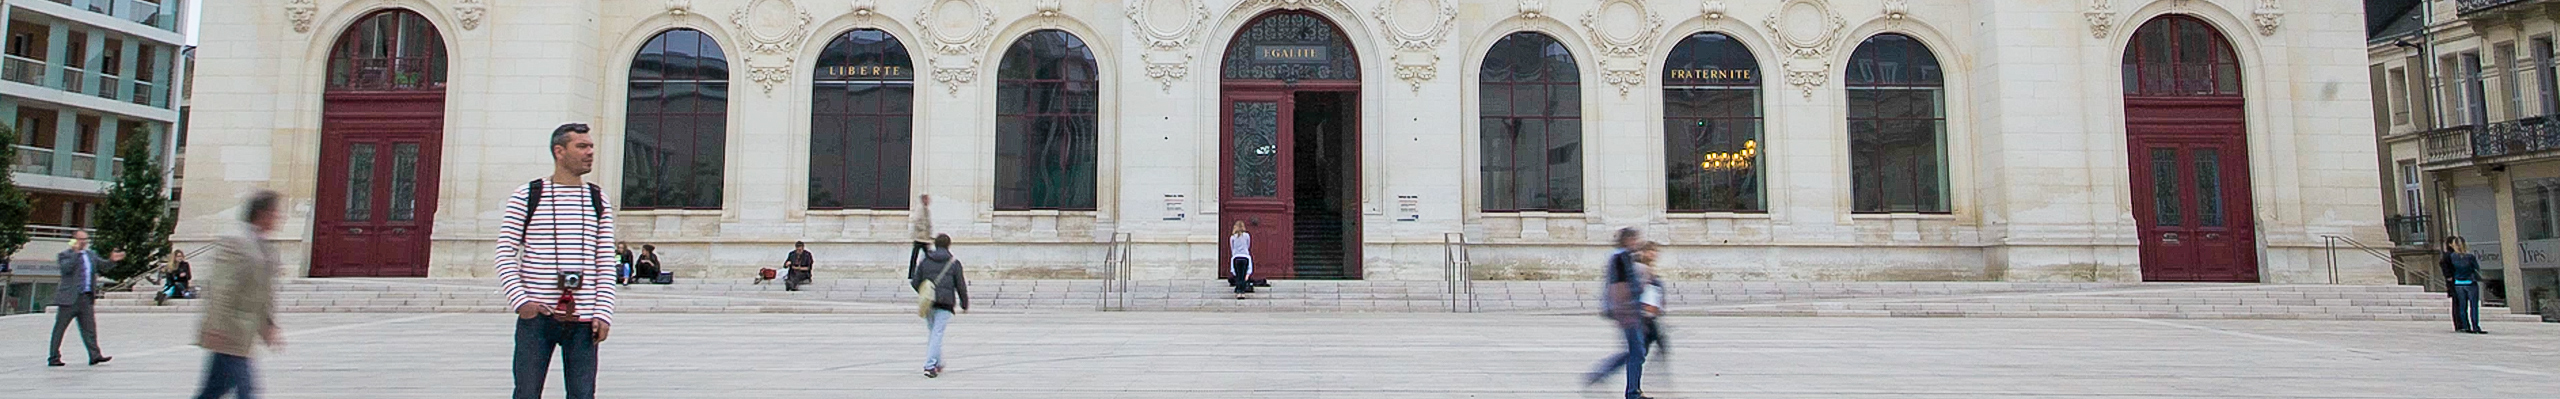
{"x": 1732, "y": 161}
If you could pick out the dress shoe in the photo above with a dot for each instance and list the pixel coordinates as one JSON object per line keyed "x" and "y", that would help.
{"x": 54, "y": 363}
{"x": 94, "y": 362}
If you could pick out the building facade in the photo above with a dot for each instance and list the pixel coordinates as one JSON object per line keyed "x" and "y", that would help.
{"x": 81, "y": 78}
{"x": 2469, "y": 87}
{"x": 2107, "y": 140}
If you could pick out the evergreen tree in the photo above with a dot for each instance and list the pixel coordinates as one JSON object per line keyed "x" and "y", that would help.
{"x": 137, "y": 220}
{"x": 14, "y": 205}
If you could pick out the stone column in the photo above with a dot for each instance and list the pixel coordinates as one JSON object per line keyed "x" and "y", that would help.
{"x": 2509, "y": 245}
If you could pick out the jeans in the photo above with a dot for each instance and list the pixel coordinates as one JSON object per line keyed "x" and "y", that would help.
{"x": 933, "y": 337}
{"x": 2466, "y": 307}
{"x": 535, "y": 339}
{"x": 1632, "y": 360}
{"x": 1241, "y": 270}
{"x": 228, "y": 375}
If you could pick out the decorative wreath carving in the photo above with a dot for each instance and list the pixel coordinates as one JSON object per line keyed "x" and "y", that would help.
{"x": 771, "y": 29}
{"x": 301, "y": 12}
{"x": 2269, "y": 17}
{"x": 1417, "y": 57}
{"x": 1808, "y": 30}
{"x": 1169, "y": 35}
{"x": 2102, "y": 17}
{"x": 470, "y": 12}
{"x": 1601, "y": 23}
{"x": 957, "y": 36}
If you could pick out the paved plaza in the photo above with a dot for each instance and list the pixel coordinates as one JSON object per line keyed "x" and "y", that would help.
{"x": 1062, "y": 354}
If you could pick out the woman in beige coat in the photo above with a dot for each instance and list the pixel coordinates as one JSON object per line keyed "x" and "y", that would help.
{"x": 241, "y": 311}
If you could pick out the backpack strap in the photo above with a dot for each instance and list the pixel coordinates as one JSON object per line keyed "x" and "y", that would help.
{"x": 595, "y": 199}
{"x": 532, "y": 202}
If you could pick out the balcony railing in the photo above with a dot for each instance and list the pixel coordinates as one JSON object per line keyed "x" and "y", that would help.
{"x": 2448, "y": 144}
{"x": 2410, "y": 231}
{"x": 71, "y": 81}
{"x": 144, "y": 12}
{"x": 2514, "y": 137}
{"x": 107, "y": 85}
{"x": 142, "y": 93}
{"x": 83, "y": 166}
{"x": 33, "y": 160}
{"x": 2466, "y": 7}
{"x": 22, "y": 70}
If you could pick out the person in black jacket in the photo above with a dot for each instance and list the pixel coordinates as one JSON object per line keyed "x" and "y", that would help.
{"x": 796, "y": 266}
{"x": 2462, "y": 280}
{"x": 1619, "y": 305}
{"x": 950, "y": 292}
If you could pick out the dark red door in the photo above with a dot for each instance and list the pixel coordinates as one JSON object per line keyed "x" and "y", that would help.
{"x": 378, "y": 174}
{"x": 2191, "y": 201}
{"x": 1258, "y": 180}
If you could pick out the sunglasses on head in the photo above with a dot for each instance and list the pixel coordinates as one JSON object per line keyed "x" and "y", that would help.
{"x": 574, "y": 127}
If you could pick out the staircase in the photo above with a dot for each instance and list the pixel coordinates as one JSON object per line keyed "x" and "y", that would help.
{"x": 1321, "y": 249}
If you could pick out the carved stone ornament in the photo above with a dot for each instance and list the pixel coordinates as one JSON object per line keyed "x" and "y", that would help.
{"x": 469, "y": 13}
{"x": 301, "y": 12}
{"x": 2102, "y": 17}
{"x": 1711, "y": 9}
{"x": 1046, "y": 8}
{"x": 1623, "y": 30}
{"x": 1171, "y": 28}
{"x": 772, "y": 31}
{"x": 679, "y": 7}
{"x": 1419, "y": 27}
{"x": 1897, "y": 10}
{"x": 958, "y": 31}
{"x": 2269, "y": 17}
{"x": 1532, "y": 9}
{"x": 866, "y": 8}
{"x": 1808, "y": 31}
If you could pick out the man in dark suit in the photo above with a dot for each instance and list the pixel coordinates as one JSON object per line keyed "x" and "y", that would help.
{"x": 77, "y": 298}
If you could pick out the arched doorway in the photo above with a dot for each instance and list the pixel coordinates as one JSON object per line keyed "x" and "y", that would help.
{"x": 2187, "y": 131}
{"x": 381, "y": 135}
{"x": 1289, "y": 146}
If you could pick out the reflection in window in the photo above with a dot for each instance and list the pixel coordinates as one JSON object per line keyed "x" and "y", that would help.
{"x": 678, "y": 117}
{"x": 861, "y": 123}
{"x": 1047, "y": 93}
{"x": 1531, "y": 110}
{"x": 1711, "y": 126}
{"x": 360, "y": 183}
{"x": 394, "y": 50}
{"x": 1897, "y": 127}
{"x": 2178, "y": 55}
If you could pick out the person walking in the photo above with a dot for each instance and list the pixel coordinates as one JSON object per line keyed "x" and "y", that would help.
{"x": 2461, "y": 271}
{"x": 921, "y": 221}
{"x": 555, "y": 258}
{"x": 76, "y": 298}
{"x": 1648, "y": 254}
{"x": 796, "y": 266}
{"x": 1240, "y": 261}
{"x": 1618, "y": 304}
{"x": 950, "y": 292}
{"x": 243, "y": 313}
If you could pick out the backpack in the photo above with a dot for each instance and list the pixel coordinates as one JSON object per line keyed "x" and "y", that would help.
{"x": 926, "y": 292}
{"x": 533, "y": 200}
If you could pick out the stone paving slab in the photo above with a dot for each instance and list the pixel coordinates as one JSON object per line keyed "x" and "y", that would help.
{"x": 1036, "y": 354}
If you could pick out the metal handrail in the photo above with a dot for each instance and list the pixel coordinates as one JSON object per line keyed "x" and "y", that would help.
{"x": 154, "y": 274}
{"x": 1459, "y": 272}
{"x": 2396, "y": 266}
{"x": 1115, "y": 274}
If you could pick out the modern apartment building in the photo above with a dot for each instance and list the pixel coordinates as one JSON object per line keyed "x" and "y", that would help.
{"x": 80, "y": 77}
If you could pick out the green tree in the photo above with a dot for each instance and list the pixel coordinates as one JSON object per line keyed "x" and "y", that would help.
{"x": 14, "y": 205}
{"x": 136, "y": 220}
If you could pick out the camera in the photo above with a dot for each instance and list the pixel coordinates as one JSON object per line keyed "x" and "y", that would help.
{"x": 569, "y": 282}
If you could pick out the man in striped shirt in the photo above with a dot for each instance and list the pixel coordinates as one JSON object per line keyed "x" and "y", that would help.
{"x": 556, "y": 264}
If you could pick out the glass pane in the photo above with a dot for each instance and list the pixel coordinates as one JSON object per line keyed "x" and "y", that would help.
{"x": 1291, "y": 46}
{"x": 1256, "y": 149}
{"x": 1496, "y": 147}
{"x": 1893, "y": 59}
{"x": 360, "y": 183}
{"x": 2208, "y": 187}
{"x": 404, "y": 181}
{"x": 2164, "y": 187}
{"x": 1564, "y": 165}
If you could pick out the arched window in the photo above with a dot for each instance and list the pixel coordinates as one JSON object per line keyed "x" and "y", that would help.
{"x": 2180, "y": 56}
{"x": 391, "y": 50}
{"x": 1711, "y": 126}
{"x": 1897, "y": 127}
{"x": 1047, "y": 92}
{"x": 1530, "y": 108}
{"x": 861, "y": 123}
{"x": 677, "y": 122}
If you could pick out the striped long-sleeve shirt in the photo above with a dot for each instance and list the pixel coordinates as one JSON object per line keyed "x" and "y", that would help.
{"x": 568, "y": 235}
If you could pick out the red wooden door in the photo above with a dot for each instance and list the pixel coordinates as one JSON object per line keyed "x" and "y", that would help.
{"x": 1257, "y": 179}
{"x": 378, "y": 177}
{"x": 2191, "y": 201}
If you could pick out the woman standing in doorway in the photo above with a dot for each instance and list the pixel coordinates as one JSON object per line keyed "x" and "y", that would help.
{"x": 1240, "y": 260}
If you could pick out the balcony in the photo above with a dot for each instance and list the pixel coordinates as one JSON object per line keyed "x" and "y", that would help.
{"x": 33, "y": 160}
{"x": 2410, "y": 231}
{"x": 2469, "y": 7}
{"x": 22, "y": 70}
{"x": 142, "y": 94}
{"x": 107, "y": 85}
{"x": 2515, "y": 137}
{"x": 71, "y": 81}
{"x": 2448, "y": 144}
{"x": 143, "y": 12}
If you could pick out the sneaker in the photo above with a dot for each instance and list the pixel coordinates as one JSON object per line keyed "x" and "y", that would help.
{"x": 932, "y": 372}
{"x": 94, "y": 362}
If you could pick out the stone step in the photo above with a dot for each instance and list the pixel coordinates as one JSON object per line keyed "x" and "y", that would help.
{"x": 2499, "y": 315}
{"x": 2438, "y": 302}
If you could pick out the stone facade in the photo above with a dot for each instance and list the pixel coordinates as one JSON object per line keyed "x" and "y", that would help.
{"x": 2468, "y": 152}
{"x": 2038, "y": 157}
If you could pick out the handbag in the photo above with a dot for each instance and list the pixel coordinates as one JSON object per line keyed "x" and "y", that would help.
{"x": 926, "y": 292}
